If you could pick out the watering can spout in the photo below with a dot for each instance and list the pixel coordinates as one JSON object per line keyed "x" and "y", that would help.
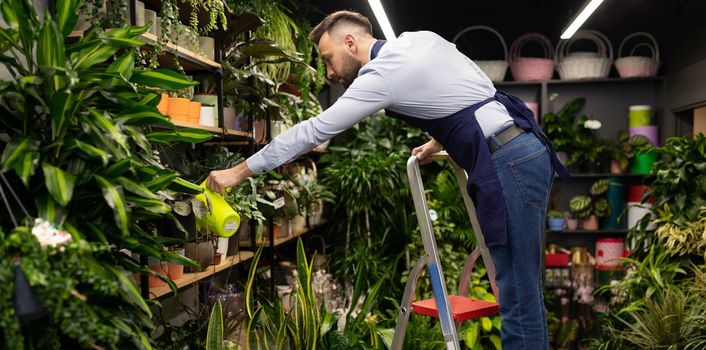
{"x": 220, "y": 218}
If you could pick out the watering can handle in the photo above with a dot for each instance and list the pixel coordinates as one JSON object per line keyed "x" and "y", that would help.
{"x": 207, "y": 193}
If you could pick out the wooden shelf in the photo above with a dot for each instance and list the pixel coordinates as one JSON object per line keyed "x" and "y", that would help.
{"x": 279, "y": 241}
{"x": 190, "y": 278}
{"x": 189, "y": 60}
{"x": 212, "y": 129}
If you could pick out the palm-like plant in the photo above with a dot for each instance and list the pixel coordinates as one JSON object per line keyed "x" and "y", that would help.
{"x": 78, "y": 123}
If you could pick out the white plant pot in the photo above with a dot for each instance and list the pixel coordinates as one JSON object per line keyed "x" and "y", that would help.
{"x": 151, "y": 17}
{"x": 158, "y": 26}
{"x": 207, "y": 45}
{"x": 139, "y": 13}
{"x": 208, "y": 116}
{"x": 222, "y": 247}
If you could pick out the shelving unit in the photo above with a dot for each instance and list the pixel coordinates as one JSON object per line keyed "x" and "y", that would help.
{"x": 190, "y": 61}
{"x": 589, "y": 232}
{"x": 280, "y": 241}
{"x": 190, "y": 278}
{"x": 214, "y": 130}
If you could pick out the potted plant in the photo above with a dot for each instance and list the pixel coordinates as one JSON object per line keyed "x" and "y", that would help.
{"x": 245, "y": 200}
{"x": 588, "y": 208}
{"x": 555, "y": 220}
{"x": 624, "y": 149}
{"x": 572, "y": 223}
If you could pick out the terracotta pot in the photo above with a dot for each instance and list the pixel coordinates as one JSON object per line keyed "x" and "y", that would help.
{"x": 176, "y": 271}
{"x": 615, "y": 167}
{"x": 591, "y": 223}
{"x": 159, "y": 267}
{"x": 572, "y": 224}
{"x": 194, "y": 112}
{"x": 178, "y": 109}
{"x": 217, "y": 259}
{"x": 163, "y": 104}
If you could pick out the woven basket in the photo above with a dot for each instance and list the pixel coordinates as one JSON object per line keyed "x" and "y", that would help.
{"x": 531, "y": 68}
{"x": 494, "y": 69}
{"x": 584, "y": 65}
{"x": 638, "y": 66}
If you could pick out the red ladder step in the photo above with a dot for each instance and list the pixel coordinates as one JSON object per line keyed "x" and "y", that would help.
{"x": 462, "y": 308}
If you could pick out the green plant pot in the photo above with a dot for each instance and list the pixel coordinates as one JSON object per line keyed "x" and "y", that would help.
{"x": 642, "y": 162}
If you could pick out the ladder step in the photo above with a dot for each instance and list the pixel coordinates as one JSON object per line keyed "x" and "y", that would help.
{"x": 462, "y": 308}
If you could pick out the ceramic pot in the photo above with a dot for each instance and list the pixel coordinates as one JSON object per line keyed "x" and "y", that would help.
{"x": 178, "y": 109}
{"x": 555, "y": 224}
{"x": 222, "y": 246}
{"x": 151, "y": 18}
{"x": 139, "y": 13}
{"x": 208, "y": 116}
{"x": 194, "y": 112}
{"x": 201, "y": 252}
{"x": 591, "y": 223}
{"x": 572, "y": 224}
{"x": 298, "y": 223}
{"x": 207, "y": 45}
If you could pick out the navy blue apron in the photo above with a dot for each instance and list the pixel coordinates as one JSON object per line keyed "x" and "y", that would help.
{"x": 463, "y": 139}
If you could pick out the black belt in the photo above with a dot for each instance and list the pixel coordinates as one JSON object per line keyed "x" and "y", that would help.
{"x": 503, "y": 137}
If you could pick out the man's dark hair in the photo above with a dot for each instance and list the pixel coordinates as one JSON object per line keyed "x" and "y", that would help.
{"x": 338, "y": 18}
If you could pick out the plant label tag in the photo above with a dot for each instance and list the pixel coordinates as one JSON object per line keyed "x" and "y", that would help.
{"x": 231, "y": 225}
{"x": 279, "y": 202}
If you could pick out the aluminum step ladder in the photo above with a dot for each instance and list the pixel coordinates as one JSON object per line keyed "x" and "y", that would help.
{"x": 450, "y": 309}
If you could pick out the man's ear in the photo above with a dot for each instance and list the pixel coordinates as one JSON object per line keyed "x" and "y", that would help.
{"x": 350, "y": 42}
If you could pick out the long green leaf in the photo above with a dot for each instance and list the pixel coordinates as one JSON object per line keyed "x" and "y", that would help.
{"x": 50, "y": 52}
{"x": 113, "y": 195}
{"x": 48, "y": 209}
{"x": 183, "y": 135}
{"x": 214, "y": 335}
{"x": 183, "y": 186}
{"x": 162, "y": 78}
{"x": 104, "y": 123}
{"x": 92, "y": 151}
{"x": 151, "y": 205}
{"x": 143, "y": 116}
{"x": 117, "y": 169}
{"x": 59, "y": 183}
{"x": 60, "y": 106}
{"x": 160, "y": 181}
{"x": 66, "y": 15}
{"x": 136, "y": 188}
{"x": 16, "y": 149}
{"x": 129, "y": 287}
{"x": 124, "y": 65}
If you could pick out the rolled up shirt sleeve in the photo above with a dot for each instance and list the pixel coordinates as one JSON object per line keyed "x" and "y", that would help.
{"x": 369, "y": 93}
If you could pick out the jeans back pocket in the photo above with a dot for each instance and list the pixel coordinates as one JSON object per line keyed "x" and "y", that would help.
{"x": 533, "y": 173}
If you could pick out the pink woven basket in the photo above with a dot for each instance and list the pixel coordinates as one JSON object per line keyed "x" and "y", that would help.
{"x": 638, "y": 66}
{"x": 532, "y": 68}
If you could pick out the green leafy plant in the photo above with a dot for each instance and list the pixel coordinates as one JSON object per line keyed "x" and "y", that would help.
{"x": 553, "y": 214}
{"x": 624, "y": 149}
{"x": 594, "y": 203}
{"x": 78, "y": 120}
{"x": 559, "y": 126}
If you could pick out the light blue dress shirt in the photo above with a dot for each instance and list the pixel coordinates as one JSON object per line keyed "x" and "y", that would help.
{"x": 418, "y": 74}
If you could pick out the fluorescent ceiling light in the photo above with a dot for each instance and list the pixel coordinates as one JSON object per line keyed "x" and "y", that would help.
{"x": 581, "y": 18}
{"x": 382, "y": 19}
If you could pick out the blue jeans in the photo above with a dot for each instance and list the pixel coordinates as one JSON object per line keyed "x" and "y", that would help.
{"x": 526, "y": 174}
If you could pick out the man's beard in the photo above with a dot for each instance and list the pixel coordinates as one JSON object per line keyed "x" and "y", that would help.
{"x": 351, "y": 67}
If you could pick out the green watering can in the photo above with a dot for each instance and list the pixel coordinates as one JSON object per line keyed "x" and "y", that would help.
{"x": 220, "y": 218}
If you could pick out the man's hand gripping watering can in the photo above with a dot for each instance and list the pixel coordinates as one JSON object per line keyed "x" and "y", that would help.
{"x": 220, "y": 218}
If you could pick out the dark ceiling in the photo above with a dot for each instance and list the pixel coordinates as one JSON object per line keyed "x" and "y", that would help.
{"x": 512, "y": 18}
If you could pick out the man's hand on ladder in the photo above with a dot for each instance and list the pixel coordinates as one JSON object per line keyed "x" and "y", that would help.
{"x": 424, "y": 152}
